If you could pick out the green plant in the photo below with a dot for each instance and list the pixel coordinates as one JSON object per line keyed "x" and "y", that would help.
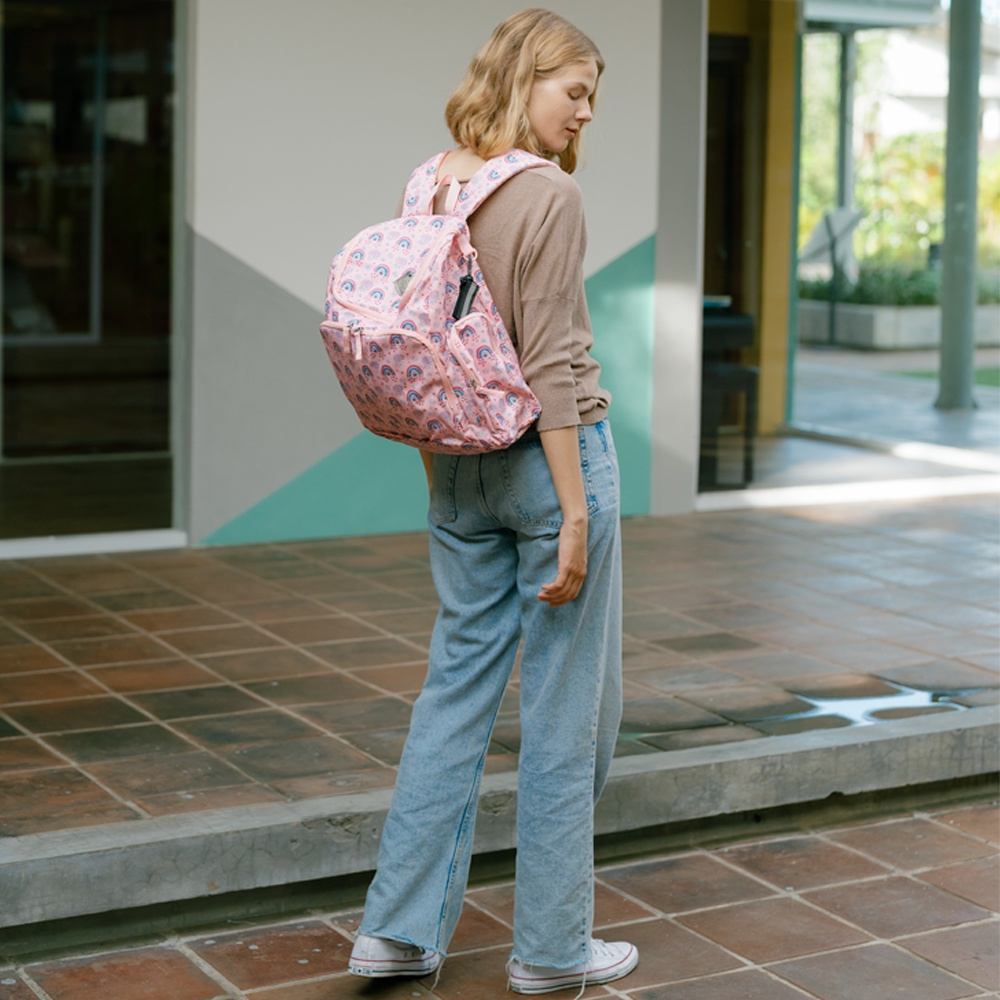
{"x": 900, "y": 188}
{"x": 898, "y": 179}
{"x": 893, "y": 285}
{"x": 983, "y": 376}
{"x": 989, "y": 286}
{"x": 818, "y": 124}
{"x": 897, "y": 285}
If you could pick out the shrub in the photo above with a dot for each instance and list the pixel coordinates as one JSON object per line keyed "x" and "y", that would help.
{"x": 989, "y": 287}
{"x": 890, "y": 285}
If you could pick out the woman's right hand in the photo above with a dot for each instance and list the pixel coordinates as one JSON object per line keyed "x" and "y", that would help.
{"x": 572, "y": 569}
{"x": 562, "y": 453}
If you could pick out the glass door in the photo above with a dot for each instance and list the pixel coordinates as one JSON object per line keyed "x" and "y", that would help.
{"x": 87, "y": 143}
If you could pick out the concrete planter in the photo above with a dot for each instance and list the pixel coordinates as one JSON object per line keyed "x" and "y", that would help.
{"x": 887, "y": 328}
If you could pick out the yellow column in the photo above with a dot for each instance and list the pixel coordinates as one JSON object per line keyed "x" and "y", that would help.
{"x": 776, "y": 245}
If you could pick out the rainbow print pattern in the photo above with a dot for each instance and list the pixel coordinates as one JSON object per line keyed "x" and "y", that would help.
{"x": 412, "y": 372}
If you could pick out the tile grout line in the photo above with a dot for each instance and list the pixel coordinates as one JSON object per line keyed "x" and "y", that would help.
{"x": 29, "y": 981}
{"x": 873, "y": 939}
{"x": 232, "y": 992}
{"x": 831, "y": 834}
{"x": 138, "y": 630}
{"x": 830, "y": 539}
{"x": 935, "y": 818}
{"x": 298, "y": 647}
{"x": 755, "y": 966}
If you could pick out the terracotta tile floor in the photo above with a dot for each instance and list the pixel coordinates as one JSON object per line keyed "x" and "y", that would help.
{"x": 140, "y": 685}
{"x": 900, "y": 907}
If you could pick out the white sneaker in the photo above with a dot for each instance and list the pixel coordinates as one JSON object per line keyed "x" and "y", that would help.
{"x": 379, "y": 957}
{"x": 607, "y": 962}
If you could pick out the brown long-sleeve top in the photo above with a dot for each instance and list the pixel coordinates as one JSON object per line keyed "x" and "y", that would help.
{"x": 531, "y": 237}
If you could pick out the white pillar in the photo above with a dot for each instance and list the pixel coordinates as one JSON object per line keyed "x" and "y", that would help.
{"x": 958, "y": 251}
{"x": 679, "y": 241}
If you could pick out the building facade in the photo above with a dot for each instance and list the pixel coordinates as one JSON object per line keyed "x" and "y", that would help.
{"x": 178, "y": 174}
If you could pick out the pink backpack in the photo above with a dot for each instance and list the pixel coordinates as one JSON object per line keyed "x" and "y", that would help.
{"x": 411, "y": 329}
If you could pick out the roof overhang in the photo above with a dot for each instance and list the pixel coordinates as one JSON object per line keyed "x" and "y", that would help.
{"x": 849, "y": 15}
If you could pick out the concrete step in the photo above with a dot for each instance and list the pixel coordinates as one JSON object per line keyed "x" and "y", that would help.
{"x": 101, "y": 869}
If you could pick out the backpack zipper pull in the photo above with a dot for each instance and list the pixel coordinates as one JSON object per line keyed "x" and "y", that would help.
{"x": 354, "y": 330}
{"x": 467, "y": 289}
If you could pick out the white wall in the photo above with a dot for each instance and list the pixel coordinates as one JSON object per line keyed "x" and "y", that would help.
{"x": 305, "y": 119}
{"x": 309, "y": 115}
{"x": 678, "y": 305}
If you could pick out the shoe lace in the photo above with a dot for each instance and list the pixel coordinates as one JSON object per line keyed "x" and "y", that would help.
{"x": 600, "y": 949}
{"x": 437, "y": 976}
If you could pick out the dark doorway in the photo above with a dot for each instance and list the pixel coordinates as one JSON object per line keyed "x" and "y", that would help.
{"x": 88, "y": 92}
{"x": 728, "y": 386}
{"x": 725, "y": 168}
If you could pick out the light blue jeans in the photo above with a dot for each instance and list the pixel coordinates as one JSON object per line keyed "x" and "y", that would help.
{"x": 494, "y": 530}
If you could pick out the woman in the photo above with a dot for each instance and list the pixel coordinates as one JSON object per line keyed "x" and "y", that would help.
{"x": 525, "y": 547}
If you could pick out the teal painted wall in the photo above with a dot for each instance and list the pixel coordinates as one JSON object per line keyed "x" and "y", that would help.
{"x": 374, "y": 486}
{"x": 620, "y": 299}
{"x": 368, "y": 486}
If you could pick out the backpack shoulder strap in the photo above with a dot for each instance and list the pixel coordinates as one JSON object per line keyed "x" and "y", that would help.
{"x": 492, "y": 174}
{"x": 418, "y": 197}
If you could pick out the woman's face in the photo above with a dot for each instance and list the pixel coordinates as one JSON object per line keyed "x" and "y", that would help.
{"x": 559, "y": 106}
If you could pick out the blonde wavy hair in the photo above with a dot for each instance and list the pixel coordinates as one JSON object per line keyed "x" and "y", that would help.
{"x": 487, "y": 113}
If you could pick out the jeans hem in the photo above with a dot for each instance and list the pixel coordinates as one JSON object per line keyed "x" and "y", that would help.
{"x": 529, "y": 966}
{"x": 399, "y": 939}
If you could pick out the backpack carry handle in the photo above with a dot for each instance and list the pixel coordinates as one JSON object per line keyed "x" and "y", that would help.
{"x": 463, "y": 201}
{"x": 454, "y": 190}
